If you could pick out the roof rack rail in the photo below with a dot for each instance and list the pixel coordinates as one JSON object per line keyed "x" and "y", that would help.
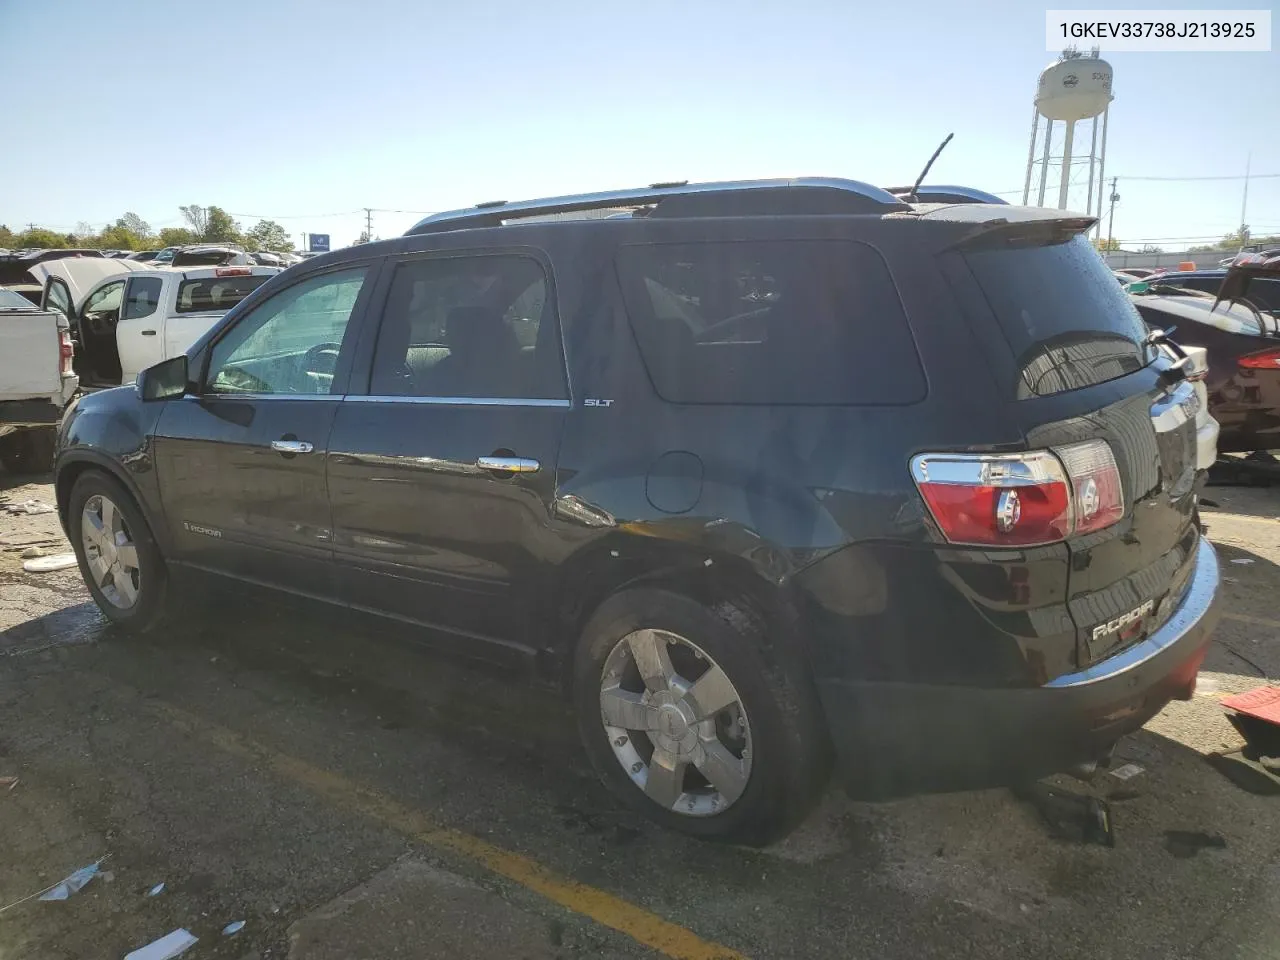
{"x": 947, "y": 193}
{"x": 803, "y": 195}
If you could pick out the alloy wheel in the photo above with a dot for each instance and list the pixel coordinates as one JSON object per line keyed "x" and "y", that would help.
{"x": 109, "y": 552}
{"x": 676, "y": 723}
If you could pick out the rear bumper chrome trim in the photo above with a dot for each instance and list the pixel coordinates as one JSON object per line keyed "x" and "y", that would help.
{"x": 1194, "y": 611}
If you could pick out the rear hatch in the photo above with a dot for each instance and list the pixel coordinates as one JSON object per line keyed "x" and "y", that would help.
{"x": 1072, "y": 354}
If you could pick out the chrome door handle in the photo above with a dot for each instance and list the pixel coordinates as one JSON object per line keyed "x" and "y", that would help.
{"x": 508, "y": 464}
{"x": 291, "y": 446}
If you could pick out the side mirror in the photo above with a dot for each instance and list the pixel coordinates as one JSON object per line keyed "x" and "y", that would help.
{"x": 166, "y": 379}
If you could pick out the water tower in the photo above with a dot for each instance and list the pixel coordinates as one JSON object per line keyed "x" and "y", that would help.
{"x": 1074, "y": 88}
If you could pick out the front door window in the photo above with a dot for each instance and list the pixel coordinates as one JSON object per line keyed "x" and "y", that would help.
{"x": 290, "y": 344}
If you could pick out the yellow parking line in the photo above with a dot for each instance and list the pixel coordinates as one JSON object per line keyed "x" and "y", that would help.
{"x": 1256, "y": 621}
{"x": 644, "y": 927}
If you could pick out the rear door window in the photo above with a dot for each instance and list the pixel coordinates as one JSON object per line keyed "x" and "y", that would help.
{"x": 469, "y": 327}
{"x": 1067, "y": 321}
{"x": 142, "y": 297}
{"x": 770, "y": 322}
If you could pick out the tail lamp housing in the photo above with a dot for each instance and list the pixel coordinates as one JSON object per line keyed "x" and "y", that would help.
{"x": 1263, "y": 360}
{"x": 66, "y": 351}
{"x": 1021, "y": 499}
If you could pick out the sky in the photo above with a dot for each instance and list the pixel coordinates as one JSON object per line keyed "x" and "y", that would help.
{"x": 308, "y": 112}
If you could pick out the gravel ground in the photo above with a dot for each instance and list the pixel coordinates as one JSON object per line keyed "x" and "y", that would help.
{"x": 349, "y": 795}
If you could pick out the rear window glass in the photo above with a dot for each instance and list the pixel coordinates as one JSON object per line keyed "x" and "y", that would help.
{"x": 13, "y": 301}
{"x": 1068, "y": 322}
{"x": 798, "y": 321}
{"x": 203, "y": 258}
{"x": 215, "y": 294}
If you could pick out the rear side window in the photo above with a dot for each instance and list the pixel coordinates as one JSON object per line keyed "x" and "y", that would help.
{"x": 474, "y": 327}
{"x": 1067, "y": 321}
{"x": 215, "y": 294}
{"x": 777, "y": 322}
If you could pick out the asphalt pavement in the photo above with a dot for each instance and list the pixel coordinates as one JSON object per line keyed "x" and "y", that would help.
{"x": 349, "y": 795}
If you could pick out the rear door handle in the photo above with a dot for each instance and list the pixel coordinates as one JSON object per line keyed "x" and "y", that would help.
{"x": 148, "y": 333}
{"x": 291, "y": 446}
{"x": 508, "y": 464}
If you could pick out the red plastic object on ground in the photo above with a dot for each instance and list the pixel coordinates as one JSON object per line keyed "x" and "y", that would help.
{"x": 1262, "y": 704}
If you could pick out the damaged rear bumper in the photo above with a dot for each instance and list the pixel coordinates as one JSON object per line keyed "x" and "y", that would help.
{"x": 893, "y": 739}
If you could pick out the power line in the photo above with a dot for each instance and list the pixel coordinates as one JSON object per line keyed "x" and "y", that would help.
{"x": 1252, "y": 176}
{"x": 296, "y": 216}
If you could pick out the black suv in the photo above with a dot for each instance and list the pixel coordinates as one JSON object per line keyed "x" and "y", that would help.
{"x": 760, "y": 472}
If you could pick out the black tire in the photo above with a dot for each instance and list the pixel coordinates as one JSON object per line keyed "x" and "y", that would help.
{"x": 29, "y": 451}
{"x": 790, "y": 749}
{"x": 153, "y": 590}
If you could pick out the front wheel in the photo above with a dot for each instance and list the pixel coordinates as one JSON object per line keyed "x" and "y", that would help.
{"x": 118, "y": 556}
{"x": 685, "y": 720}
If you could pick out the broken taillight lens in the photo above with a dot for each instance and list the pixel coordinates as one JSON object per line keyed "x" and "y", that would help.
{"x": 1024, "y": 499}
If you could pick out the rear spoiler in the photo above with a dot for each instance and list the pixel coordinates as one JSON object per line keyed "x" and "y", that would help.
{"x": 1010, "y": 225}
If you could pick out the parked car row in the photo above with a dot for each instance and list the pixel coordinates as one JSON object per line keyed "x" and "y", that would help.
{"x": 760, "y": 472}
{"x": 1234, "y": 316}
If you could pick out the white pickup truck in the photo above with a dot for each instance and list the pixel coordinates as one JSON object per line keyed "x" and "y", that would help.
{"x": 36, "y": 382}
{"x": 140, "y": 314}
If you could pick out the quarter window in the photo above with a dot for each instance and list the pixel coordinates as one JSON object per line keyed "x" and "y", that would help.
{"x": 469, "y": 327}
{"x": 290, "y": 343}
{"x": 796, "y": 321}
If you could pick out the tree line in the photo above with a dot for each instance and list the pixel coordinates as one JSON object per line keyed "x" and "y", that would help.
{"x": 1234, "y": 241}
{"x": 130, "y": 232}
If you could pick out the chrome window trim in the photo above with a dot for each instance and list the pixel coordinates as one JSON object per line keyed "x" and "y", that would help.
{"x": 463, "y": 401}
{"x": 262, "y": 396}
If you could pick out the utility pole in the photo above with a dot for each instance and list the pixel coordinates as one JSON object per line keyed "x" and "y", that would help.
{"x": 1244, "y": 204}
{"x": 368, "y": 223}
{"x": 1111, "y": 220}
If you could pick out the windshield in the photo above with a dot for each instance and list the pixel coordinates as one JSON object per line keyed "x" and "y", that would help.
{"x": 1067, "y": 321}
{"x": 215, "y": 294}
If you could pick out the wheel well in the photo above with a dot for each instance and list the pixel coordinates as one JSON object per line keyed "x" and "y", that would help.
{"x": 65, "y": 481}
{"x": 727, "y": 585}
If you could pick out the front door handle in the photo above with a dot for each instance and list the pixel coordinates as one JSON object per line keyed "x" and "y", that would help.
{"x": 148, "y": 333}
{"x": 508, "y": 464}
{"x": 291, "y": 446}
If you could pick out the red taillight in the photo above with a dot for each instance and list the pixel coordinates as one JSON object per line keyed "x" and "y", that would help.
{"x": 1266, "y": 360}
{"x": 1021, "y": 499}
{"x": 233, "y": 271}
{"x": 66, "y": 350}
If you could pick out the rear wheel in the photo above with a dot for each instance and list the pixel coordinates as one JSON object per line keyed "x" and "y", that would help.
{"x": 119, "y": 559}
{"x": 28, "y": 451}
{"x": 685, "y": 720}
